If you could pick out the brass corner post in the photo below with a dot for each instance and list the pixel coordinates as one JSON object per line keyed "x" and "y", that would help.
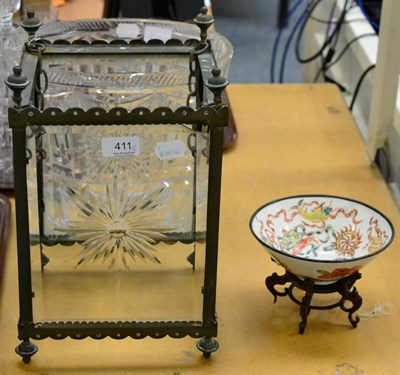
{"x": 17, "y": 82}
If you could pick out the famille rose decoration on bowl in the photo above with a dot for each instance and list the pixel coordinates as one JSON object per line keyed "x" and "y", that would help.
{"x": 321, "y": 237}
{"x": 323, "y": 242}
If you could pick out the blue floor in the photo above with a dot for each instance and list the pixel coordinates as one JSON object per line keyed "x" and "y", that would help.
{"x": 251, "y": 27}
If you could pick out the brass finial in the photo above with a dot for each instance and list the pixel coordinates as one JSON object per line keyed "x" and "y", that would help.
{"x": 216, "y": 84}
{"x": 31, "y": 24}
{"x": 17, "y": 82}
{"x": 203, "y": 20}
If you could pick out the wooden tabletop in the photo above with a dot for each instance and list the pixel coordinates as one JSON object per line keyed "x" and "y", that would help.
{"x": 293, "y": 139}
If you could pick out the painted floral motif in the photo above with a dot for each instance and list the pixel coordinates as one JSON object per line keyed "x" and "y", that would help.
{"x": 376, "y": 237}
{"x": 337, "y": 273}
{"x": 347, "y": 240}
{"x": 316, "y": 229}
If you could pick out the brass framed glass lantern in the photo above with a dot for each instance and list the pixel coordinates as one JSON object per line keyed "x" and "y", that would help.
{"x": 117, "y": 187}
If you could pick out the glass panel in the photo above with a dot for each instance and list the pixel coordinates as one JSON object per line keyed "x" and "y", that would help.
{"x": 125, "y": 206}
{"x": 32, "y": 185}
{"x": 110, "y": 81}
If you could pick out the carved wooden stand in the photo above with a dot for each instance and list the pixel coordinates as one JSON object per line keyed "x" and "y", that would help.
{"x": 343, "y": 286}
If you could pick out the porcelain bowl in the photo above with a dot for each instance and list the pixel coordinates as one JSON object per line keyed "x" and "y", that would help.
{"x": 321, "y": 237}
